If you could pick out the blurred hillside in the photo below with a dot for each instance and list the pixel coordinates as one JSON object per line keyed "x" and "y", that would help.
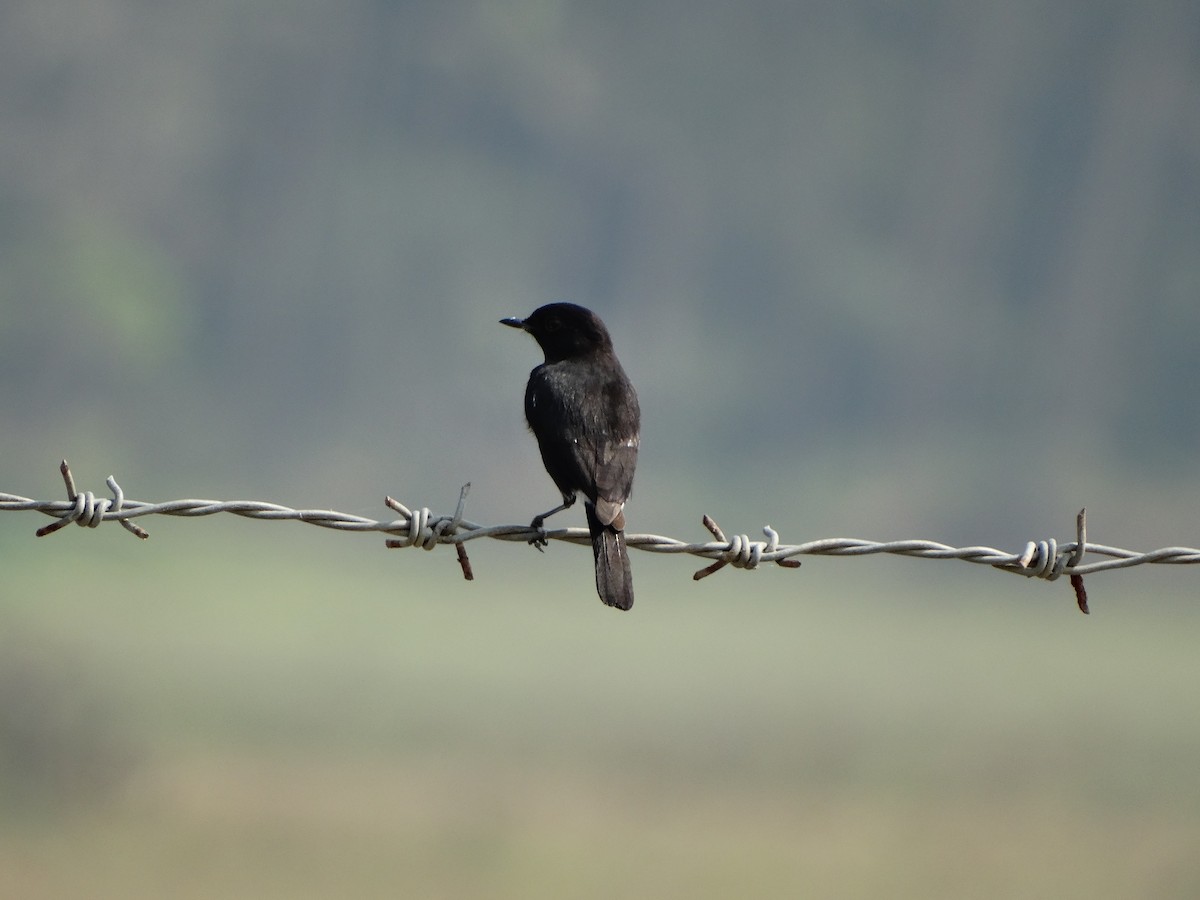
{"x": 928, "y": 260}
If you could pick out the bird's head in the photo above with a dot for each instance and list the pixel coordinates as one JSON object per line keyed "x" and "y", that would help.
{"x": 564, "y": 330}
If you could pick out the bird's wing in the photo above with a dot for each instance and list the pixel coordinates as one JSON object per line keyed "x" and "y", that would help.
{"x": 615, "y": 458}
{"x": 589, "y": 447}
{"x": 556, "y": 423}
{"x": 616, "y": 449}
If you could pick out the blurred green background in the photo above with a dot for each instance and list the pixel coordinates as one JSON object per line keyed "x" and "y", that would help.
{"x": 891, "y": 270}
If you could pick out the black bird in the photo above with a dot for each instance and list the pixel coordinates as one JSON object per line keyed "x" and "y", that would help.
{"x": 584, "y": 413}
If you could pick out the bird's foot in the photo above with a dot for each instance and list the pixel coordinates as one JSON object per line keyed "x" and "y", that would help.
{"x": 539, "y": 539}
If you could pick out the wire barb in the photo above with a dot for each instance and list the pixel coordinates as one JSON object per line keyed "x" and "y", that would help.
{"x": 741, "y": 552}
{"x": 88, "y": 510}
{"x": 423, "y": 534}
{"x": 1077, "y": 558}
{"x": 421, "y": 528}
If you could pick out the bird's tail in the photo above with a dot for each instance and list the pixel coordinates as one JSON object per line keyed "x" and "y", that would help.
{"x": 614, "y": 583}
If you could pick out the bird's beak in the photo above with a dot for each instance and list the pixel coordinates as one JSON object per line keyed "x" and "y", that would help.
{"x": 513, "y": 323}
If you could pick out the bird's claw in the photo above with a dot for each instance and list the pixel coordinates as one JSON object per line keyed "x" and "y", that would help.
{"x": 539, "y": 539}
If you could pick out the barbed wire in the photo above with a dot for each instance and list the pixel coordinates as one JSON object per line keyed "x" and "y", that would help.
{"x": 1047, "y": 559}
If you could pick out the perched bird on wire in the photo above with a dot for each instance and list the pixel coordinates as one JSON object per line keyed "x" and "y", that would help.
{"x": 584, "y": 413}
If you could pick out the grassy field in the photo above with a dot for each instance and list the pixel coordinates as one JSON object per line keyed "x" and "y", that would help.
{"x": 250, "y": 711}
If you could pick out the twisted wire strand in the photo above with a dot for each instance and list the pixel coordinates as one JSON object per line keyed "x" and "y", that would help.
{"x": 421, "y": 528}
